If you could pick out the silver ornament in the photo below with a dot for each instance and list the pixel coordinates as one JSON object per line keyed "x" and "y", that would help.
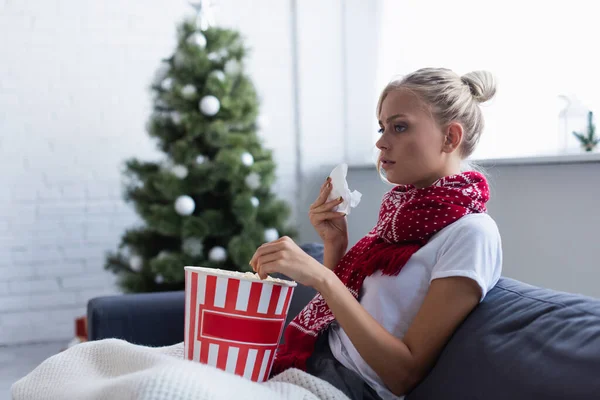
{"x": 253, "y": 181}
{"x": 255, "y": 202}
{"x": 192, "y": 247}
{"x": 200, "y": 159}
{"x": 218, "y": 75}
{"x": 214, "y": 57}
{"x": 162, "y": 72}
{"x": 162, "y": 255}
{"x": 158, "y": 102}
{"x": 204, "y": 13}
{"x": 271, "y": 234}
{"x": 167, "y": 84}
{"x": 175, "y": 117}
{"x": 209, "y": 105}
{"x": 262, "y": 122}
{"x": 217, "y": 254}
{"x": 247, "y": 159}
{"x": 197, "y": 39}
{"x": 159, "y": 279}
{"x": 188, "y": 91}
{"x": 136, "y": 262}
{"x": 232, "y": 67}
{"x": 179, "y": 171}
{"x": 179, "y": 59}
{"x": 185, "y": 205}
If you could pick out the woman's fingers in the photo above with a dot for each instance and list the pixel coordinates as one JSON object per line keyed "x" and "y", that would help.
{"x": 328, "y": 206}
{"x": 267, "y": 248}
{"x": 325, "y": 190}
{"x": 320, "y": 217}
{"x": 264, "y": 264}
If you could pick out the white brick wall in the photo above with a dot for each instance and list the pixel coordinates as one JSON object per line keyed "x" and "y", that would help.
{"x": 73, "y": 104}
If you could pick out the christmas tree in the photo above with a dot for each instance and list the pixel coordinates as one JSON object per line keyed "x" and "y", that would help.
{"x": 209, "y": 203}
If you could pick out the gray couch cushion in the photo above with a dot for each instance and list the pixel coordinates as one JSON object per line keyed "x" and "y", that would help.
{"x": 521, "y": 342}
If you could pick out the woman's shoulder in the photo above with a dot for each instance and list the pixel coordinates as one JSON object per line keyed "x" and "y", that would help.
{"x": 477, "y": 221}
{"x": 479, "y": 227}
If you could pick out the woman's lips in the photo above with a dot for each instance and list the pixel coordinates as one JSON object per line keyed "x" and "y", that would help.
{"x": 387, "y": 163}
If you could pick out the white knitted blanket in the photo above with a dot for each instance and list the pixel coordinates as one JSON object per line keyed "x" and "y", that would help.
{"x": 115, "y": 369}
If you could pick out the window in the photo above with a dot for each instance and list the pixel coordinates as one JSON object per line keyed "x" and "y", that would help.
{"x": 543, "y": 55}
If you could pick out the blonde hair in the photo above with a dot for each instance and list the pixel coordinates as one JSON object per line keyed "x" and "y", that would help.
{"x": 451, "y": 98}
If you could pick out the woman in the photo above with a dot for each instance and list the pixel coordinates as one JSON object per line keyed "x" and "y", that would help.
{"x": 386, "y": 308}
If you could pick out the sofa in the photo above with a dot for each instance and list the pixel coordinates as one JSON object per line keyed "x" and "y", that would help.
{"x": 521, "y": 342}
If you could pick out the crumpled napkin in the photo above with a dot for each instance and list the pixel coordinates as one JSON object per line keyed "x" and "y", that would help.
{"x": 339, "y": 187}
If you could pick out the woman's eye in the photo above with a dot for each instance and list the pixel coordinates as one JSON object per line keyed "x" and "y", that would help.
{"x": 380, "y": 131}
{"x": 399, "y": 128}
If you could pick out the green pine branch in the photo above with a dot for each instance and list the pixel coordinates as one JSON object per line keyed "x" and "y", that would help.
{"x": 588, "y": 140}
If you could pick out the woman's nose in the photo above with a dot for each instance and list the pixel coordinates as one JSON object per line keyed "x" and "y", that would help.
{"x": 381, "y": 143}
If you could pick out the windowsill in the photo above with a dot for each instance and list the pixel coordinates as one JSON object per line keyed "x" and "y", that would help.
{"x": 541, "y": 160}
{"x": 515, "y": 161}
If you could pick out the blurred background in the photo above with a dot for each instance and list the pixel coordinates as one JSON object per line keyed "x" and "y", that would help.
{"x": 75, "y": 101}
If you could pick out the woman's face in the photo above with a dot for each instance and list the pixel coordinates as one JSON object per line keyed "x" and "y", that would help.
{"x": 411, "y": 143}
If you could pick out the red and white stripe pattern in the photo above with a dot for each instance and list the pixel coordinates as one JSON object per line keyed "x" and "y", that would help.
{"x": 234, "y": 324}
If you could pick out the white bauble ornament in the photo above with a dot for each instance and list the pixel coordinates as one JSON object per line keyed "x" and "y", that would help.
{"x": 197, "y": 39}
{"x": 162, "y": 255}
{"x": 175, "y": 117}
{"x": 247, "y": 159}
{"x": 159, "y": 279}
{"x": 192, "y": 247}
{"x": 271, "y": 234}
{"x": 162, "y": 72}
{"x": 254, "y": 201}
{"x": 200, "y": 159}
{"x": 217, "y": 254}
{"x": 262, "y": 122}
{"x": 136, "y": 262}
{"x": 209, "y": 105}
{"x": 160, "y": 103}
{"x": 167, "y": 84}
{"x": 232, "y": 67}
{"x": 179, "y": 59}
{"x": 188, "y": 91}
{"x": 214, "y": 57}
{"x": 185, "y": 205}
{"x": 179, "y": 171}
{"x": 219, "y": 75}
{"x": 253, "y": 181}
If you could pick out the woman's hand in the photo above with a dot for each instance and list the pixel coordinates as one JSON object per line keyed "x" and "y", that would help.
{"x": 330, "y": 225}
{"x": 284, "y": 256}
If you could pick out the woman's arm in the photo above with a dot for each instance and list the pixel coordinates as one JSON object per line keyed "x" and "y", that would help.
{"x": 402, "y": 364}
{"x": 333, "y": 253}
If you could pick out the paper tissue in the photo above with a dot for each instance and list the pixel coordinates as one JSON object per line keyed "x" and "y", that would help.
{"x": 339, "y": 187}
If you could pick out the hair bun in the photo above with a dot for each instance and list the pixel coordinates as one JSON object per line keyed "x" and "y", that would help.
{"x": 481, "y": 84}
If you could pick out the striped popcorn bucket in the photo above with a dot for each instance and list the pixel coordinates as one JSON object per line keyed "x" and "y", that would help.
{"x": 233, "y": 321}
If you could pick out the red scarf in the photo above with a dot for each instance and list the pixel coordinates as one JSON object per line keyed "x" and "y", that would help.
{"x": 407, "y": 219}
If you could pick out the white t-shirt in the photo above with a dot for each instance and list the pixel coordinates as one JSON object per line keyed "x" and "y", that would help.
{"x": 470, "y": 247}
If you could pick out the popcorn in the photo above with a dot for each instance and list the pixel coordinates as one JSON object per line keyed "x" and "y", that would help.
{"x": 243, "y": 275}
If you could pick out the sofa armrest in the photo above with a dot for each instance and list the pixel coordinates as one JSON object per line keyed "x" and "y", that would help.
{"x": 150, "y": 319}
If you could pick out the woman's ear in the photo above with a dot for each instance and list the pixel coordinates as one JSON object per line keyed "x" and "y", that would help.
{"x": 453, "y": 138}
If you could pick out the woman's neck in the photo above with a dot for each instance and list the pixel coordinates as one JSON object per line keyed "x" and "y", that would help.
{"x": 430, "y": 180}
